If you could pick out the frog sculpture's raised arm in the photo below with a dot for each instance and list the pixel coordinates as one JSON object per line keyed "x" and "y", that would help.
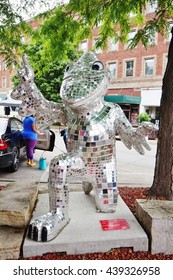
{"x": 33, "y": 101}
{"x": 91, "y": 151}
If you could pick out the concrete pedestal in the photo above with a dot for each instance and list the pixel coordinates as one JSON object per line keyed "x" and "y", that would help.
{"x": 156, "y": 217}
{"x": 84, "y": 234}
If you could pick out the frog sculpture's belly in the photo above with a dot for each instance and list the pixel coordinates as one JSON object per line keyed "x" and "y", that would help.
{"x": 94, "y": 144}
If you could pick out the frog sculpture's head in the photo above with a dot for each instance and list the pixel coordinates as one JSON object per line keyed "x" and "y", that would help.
{"x": 84, "y": 83}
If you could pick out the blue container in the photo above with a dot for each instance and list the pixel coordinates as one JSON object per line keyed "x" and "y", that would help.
{"x": 42, "y": 163}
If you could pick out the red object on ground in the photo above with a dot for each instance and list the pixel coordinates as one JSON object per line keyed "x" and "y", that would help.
{"x": 114, "y": 224}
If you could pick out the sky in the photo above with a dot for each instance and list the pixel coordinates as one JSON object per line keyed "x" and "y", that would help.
{"x": 37, "y": 7}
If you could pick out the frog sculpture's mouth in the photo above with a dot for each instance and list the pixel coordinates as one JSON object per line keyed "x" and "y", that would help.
{"x": 88, "y": 98}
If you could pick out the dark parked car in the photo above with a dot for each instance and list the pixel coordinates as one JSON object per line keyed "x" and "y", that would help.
{"x": 12, "y": 146}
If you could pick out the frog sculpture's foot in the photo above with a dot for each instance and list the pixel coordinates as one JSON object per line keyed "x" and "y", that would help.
{"x": 106, "y": 203}
{"x": 47, "y": 227}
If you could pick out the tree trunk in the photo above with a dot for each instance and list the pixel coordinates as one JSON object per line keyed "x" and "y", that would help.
{"x": 163, "y": 174}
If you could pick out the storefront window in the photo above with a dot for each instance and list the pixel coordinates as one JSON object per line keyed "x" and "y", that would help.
{"x": 134, "y": 115}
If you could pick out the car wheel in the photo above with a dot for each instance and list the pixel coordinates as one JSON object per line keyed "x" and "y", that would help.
{"x": 15, "y": 164}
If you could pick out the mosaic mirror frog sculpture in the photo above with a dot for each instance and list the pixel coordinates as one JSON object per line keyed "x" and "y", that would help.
{"x": 92, "y": 125}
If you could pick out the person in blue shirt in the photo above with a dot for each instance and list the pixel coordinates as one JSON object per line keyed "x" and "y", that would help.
{"x": 30, "y": 135}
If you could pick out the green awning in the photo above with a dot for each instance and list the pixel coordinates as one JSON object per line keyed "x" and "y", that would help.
{"x": 122, "y": 99}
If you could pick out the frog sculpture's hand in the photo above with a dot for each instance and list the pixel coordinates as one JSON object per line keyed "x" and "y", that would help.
{"x": 136, "y": 137}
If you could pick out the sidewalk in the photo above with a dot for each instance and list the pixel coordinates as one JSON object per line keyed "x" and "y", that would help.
{"x": 134, "y": 169}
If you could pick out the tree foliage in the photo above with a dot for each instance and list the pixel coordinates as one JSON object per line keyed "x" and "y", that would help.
{"x": 144, "y": 117}
{"x": 14, "y": 26}
{"x": 48, "y": 72}
{"x": 10, "y": 24}
{"x": 67, "y": 25}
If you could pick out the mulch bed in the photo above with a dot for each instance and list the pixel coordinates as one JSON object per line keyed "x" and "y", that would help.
{"x": 129, "y": 195}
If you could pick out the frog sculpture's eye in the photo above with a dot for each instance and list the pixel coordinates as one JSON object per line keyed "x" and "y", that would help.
{"x": 70, "y": 67}
{"x": 97, "y": 65}
{"x": 67, "y": 68}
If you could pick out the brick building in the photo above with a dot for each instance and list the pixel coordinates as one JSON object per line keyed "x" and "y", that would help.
{"x": 136, "y": 74}
{"x": 5, "y": 78}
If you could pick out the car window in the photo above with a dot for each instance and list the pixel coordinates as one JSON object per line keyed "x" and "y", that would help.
{"x": 16, "y": 126}
{"x": 3, "y": 126}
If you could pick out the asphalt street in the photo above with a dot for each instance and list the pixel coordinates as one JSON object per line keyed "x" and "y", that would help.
{"x": 133, "y": 169}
